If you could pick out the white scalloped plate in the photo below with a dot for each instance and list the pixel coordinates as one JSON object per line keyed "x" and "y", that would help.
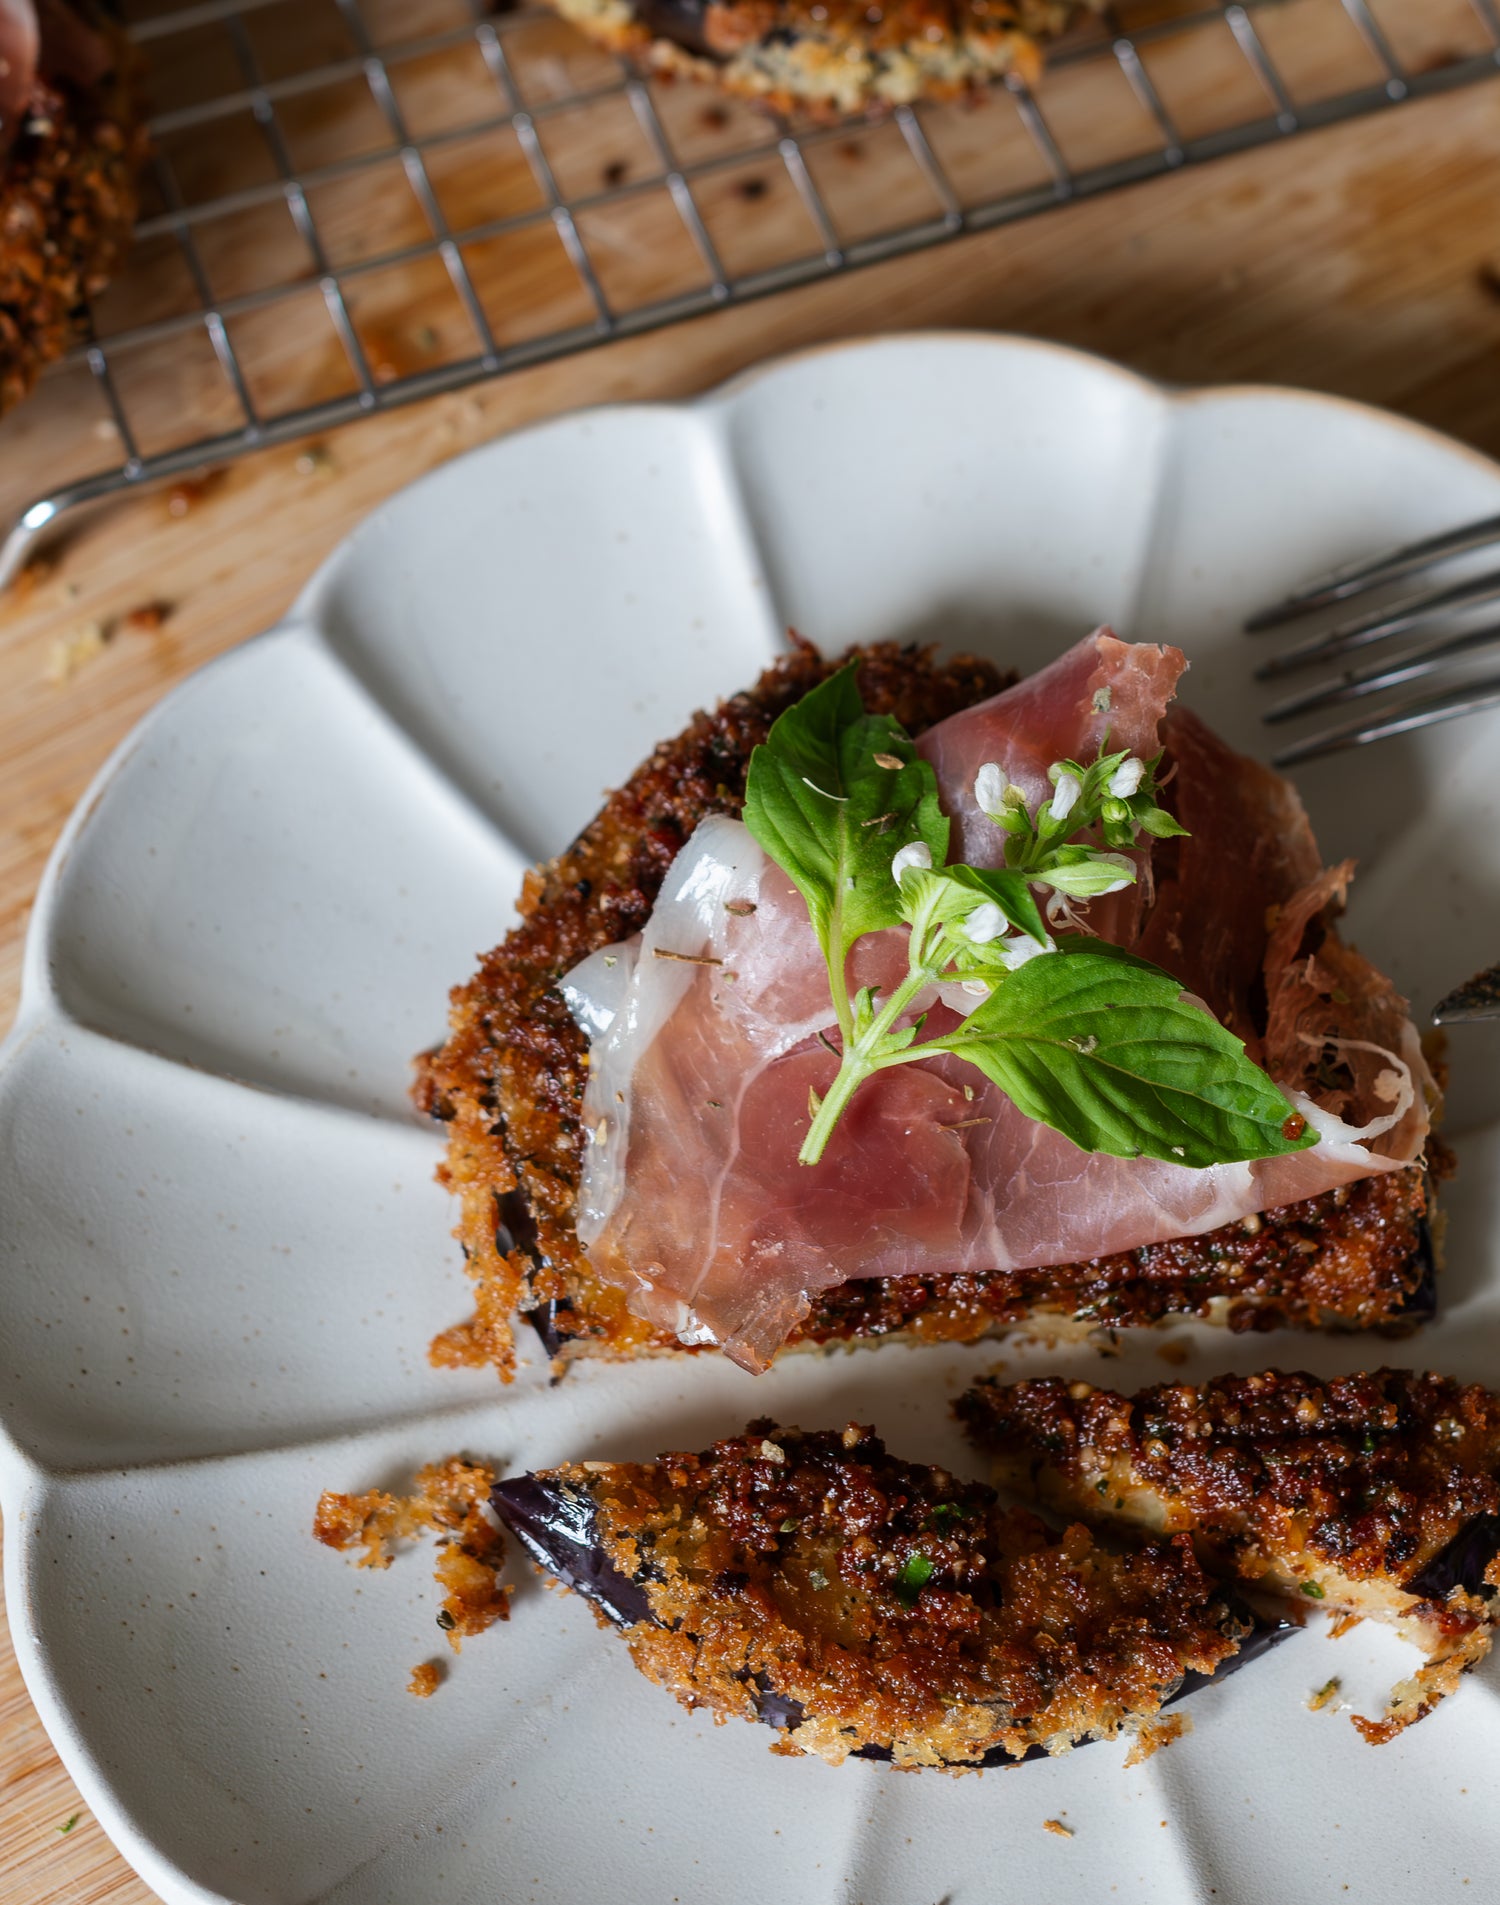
{"x": 222, "y": 1254}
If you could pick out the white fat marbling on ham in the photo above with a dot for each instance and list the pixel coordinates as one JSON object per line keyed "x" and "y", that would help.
{"x": 706, "y": 1046}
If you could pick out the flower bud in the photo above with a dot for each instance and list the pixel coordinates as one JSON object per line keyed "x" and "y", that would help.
{"x": 1127, "y": 777}
{"x": 986, "y": 923}
{"x": 989, "y": 788}
{"x": 1069, "y": 787}
{"x": 918, "y": 854}
{"x": 1023, "y": 948}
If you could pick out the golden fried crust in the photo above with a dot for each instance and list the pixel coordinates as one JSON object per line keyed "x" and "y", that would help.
{"x": 1351, "y": 1258}
{"x": 510, "y": 1080}
{"x": 67, "y": 203}
{"x": 1370, "y": 1475}
{"x": 832, "y": 57}
{"x": 891, "y": 1607}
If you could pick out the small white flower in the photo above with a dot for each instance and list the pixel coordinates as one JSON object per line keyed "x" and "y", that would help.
{"x": 985, "y": 923}
{"x": 918, "y": 854}
{"x": 989, "y": 788}
{"x": 1069, "y": 787}
{"x": 1024, "y": 947}
{"x": 1126, "y": 779}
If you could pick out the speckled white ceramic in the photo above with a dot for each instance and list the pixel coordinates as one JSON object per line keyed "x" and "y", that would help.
{"x": 222, "y": 1253}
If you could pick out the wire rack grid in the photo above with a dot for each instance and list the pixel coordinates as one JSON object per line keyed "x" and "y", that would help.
{"x": 356, "y": 204}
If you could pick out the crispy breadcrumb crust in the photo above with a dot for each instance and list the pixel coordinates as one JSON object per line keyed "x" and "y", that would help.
{"x": 509, "y": 1084}
{"x": 1352, "y": 1491}
{"x": 67, "y": 203}
{"x": 451, "y": 1500}
{"x": 834, "y": 58}
{"x": 889, "y": 1609}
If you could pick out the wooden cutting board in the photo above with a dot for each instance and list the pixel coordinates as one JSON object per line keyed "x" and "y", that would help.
{"x": 1363, "y": 261}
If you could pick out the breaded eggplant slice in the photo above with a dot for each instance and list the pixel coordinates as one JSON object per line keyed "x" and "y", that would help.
{"x": 835, "y": 58}
{"x": 72, "y": 143}
{"x": 509, "y": 1085}
{"x": 862, "y": 1605}
{"x": 1372, "y": 1495}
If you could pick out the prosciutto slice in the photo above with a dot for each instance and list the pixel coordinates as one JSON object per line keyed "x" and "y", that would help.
{"x": 709, "y": 1037}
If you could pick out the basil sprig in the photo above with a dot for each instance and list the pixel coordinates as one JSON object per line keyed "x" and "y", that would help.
{"x": 1077, "y": 1033}
{"x": 831, "y": 796}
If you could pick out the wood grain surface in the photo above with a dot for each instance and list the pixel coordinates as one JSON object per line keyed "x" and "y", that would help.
{"x": 1363, "y": 261}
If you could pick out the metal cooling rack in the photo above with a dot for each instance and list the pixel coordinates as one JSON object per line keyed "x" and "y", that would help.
{"x": 362, "y": 203}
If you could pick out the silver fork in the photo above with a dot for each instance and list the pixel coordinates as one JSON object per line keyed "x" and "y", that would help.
{"x": 1423, "y": 617}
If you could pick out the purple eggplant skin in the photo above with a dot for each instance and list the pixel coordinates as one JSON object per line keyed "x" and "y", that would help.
{"x": 558, "y": 1527}
{"x": 1421, "y": 1303}
{"x": 1462, "y": 1563}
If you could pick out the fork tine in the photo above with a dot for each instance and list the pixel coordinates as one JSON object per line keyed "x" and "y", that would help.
{"x": 1479, "y": 998}
{"x": 1357, "y": 682}
{"x": 1383, "y": 624}
{"x": 1373, "y": 572}
{"x": 1405, "y": 718}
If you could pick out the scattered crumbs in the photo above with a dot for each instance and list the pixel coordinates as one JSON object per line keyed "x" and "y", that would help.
{"x": 1324, "y": 1695}
{"x": 451, "y": 1500}
{"x": 187, "y": 492}
{"x": 1056, "y": 1826}
{"x": 383, "y": 353}
{"x": 752, "y": 189}
{"x": 40, "y": 569}
{"x": 426, "y": 1679}
{"x": 1154, "y": 1735}
{"x": 73, "y": 651}
{"x": 146, "y": 618}
{"x": 616, "y": 172}
{"x": 425, "y": 338}
{"x": 715, "y": 118}
{"x": 315, "y": 460}
{"x": 68, "y": 1824}
{"x": 1173, "y": 1351}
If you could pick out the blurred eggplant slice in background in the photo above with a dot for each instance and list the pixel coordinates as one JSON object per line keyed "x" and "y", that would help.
{"x": 867, "y": 1607}
{"x": 1372, "y": 1495}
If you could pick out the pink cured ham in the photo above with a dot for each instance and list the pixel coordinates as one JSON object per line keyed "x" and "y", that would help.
{"x": 706, "y": 1045}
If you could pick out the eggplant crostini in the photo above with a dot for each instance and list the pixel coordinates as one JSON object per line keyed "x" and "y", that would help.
{"x": 865, "y": 1606}
{"x": 835, "y": 58}
{"x": 1369, "y": 1495}
{"x": 581, "y": 1172}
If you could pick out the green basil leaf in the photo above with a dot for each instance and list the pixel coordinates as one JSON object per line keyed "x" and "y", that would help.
{"x": 1083, "y": 873}
{"x": 947, "y": 895}
{"x": 832, "y": 816}
{"x": 1105, "y": 1049}
{"x": 916, "y": 1571}
{"x": 1156, "y": 820}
